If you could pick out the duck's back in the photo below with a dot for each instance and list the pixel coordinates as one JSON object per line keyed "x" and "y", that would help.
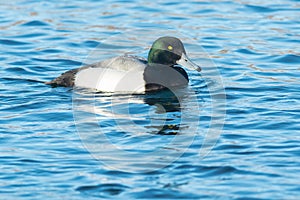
{"x": 123, "y": 63}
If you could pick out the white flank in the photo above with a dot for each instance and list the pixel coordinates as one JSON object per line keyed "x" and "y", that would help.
{"x": 111, "y": 80}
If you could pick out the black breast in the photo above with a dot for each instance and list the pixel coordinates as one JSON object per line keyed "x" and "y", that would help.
{"x": 162, "y": 77}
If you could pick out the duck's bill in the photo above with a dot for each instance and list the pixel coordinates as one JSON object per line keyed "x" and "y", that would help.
{"x": 186, "y": 62}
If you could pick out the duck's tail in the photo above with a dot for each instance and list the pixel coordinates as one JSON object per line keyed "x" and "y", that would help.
{"x": 65, "y": 80}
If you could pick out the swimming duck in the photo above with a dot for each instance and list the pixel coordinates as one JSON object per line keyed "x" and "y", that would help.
{"x": 134, "y": 74}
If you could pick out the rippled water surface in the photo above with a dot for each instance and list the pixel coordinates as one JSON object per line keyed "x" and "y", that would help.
{"x": 234, "y": 133}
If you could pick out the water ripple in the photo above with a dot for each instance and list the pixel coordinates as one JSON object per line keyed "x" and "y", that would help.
{"x": 249, "y": 48}
{"x": 12, "y": 42}
{"x": 103, "y": 190}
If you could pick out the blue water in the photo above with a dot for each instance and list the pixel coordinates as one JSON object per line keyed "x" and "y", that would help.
{"x": 234, "y": 133}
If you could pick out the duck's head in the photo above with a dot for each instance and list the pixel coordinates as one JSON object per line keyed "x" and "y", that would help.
{"x": 170, "y": 51}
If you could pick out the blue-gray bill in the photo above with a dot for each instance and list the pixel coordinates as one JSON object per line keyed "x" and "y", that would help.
{"x": 186, "y": 62}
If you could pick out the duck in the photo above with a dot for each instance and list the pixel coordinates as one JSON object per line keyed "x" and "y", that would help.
{"x": 127, "y": 73}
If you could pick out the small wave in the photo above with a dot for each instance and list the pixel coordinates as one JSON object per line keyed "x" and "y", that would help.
{"x": 35, "y": 23}
{"x": 289, "y": 59}
{"x": 109, "y": 189}
{"x": 12, "y": 42}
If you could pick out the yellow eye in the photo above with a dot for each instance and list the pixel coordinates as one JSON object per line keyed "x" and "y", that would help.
{"x": 170, "y": 47}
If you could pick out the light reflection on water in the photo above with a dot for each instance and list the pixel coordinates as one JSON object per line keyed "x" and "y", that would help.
{"x": 134, "y": 128}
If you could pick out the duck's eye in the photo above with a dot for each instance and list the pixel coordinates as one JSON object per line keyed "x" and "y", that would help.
{"x": 170, "y": 47}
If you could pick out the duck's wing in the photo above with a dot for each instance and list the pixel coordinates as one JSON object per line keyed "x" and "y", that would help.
{"x": 119, "y": 74}
{"x": 120, "y": 63}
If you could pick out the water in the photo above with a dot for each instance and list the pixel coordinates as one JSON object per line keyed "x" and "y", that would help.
{"x": 62, "y": 143}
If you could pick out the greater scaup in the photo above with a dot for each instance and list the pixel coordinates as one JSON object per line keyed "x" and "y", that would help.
{"x": 134, "y": 74}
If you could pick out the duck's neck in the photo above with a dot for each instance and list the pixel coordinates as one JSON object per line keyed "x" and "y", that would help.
{"x": 159, "y": 66}
{"x": 160, "y": 57}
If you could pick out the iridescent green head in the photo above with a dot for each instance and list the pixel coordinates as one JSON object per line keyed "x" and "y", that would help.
{"x": 170, "y": 51}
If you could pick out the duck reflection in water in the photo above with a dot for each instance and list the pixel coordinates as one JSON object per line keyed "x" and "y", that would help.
{"x": 153, "y": 113}
{"x": 169, "y": 104}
